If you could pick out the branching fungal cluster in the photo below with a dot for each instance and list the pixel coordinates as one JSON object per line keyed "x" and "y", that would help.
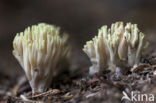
{"x": 118, "y": 46}
{"x": 40, "y": 51}
{"x": 43, "y": 53}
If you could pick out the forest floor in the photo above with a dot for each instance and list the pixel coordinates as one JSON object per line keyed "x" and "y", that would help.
{"x": 78, "y": 87}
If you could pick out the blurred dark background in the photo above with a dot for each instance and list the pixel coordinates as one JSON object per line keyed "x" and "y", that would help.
{"x": 80, "y": 18}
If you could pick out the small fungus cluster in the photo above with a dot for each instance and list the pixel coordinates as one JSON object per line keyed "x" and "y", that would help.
{"x": 118, "y": 46}
{"x": 41, "y": 52}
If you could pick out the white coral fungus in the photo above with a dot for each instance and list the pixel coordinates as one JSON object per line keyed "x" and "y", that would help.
{"x": 41, "y": 51}
{"x": 118, "y": 46}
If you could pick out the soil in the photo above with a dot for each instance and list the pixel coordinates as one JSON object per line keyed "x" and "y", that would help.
{"x": 79, "y": 87}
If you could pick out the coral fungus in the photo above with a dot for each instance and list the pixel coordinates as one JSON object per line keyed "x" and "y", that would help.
{"x": 118, "y": 46}
{"x": 41, "y": 52}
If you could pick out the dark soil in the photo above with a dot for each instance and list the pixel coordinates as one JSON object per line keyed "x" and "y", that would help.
{"x": 78, "y": 87}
